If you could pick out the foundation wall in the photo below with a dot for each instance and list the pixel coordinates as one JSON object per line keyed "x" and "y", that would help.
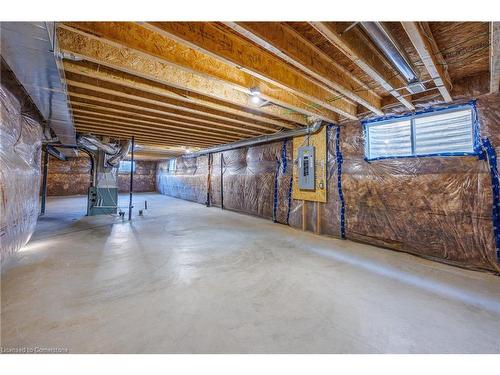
{"x": 73, "y": 177}
{"x": 436, "y": 207}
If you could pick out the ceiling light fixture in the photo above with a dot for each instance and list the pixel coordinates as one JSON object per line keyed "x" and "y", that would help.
{"x": 256, "y": 99}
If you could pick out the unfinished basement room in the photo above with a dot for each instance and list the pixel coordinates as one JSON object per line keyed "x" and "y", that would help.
{"x": 250, "y": 187}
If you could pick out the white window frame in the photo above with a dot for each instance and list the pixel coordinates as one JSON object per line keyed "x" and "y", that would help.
{"x": 412, "y": 118}
{"x": 127, "y": 169}
{"x": 172, "y": 165}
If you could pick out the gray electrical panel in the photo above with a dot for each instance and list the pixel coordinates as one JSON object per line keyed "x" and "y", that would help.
{"x": 306, "y": 178}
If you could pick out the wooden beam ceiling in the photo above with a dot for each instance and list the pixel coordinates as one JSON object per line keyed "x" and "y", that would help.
{"x": 150, "y": 101}
{"x": 84, "y": 127}
{"x": 283, "y": 41}
{"x": 190, "y": 83}
{"x": 423, "y": 41}
{"x": 358, "y": 48}
{"x": 120, "y": 104}
{"x": 147, "y": 125}
{"x": 129, "y": 47}
{"x": 76, "y": 104}
{"x": 235, "y": 51}
{"x": 106, "y": 124}
{"x": 103, "y": 73}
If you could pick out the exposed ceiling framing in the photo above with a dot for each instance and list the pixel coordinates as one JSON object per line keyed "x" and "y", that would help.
{"x": 423, "y": 41}
{"x": 189, "y": 84}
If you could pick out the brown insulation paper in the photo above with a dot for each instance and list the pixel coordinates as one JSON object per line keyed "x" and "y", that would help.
{"x": 435, "y": 207}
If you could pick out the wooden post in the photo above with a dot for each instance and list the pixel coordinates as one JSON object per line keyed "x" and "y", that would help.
{"x": 318, "y": 218}
{"x": 304, "y": 226}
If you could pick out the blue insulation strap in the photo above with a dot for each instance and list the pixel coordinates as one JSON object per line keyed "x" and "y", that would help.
{"x": 284, "y": 167}
{"x": 275, "y": 196}
{"x": 283, "y": 156}
{"x": 338, "y": 155}
{"x": 289, "y": 200}
{"x": 495, "y": 187}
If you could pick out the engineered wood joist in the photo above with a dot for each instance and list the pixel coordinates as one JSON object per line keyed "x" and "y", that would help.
{"x": 210, "y": 38}
{"x": 143, "y": 140}
{"x": 137, "y": 50}
{"x": 102, "y": 125}
{"x": 120, "y": 104}
{"x": 141, "y": 127}
{"x": 113, "y": 113}
{"x": 75, "y": 87}
{"x": 423, "y": 41}
{"x": 357, "y": 47}
{"x": 137, "y": 94}
{"x": 82, "y": 124}
{"x": 106, "y": 74}
{"x": 286, "y": 43}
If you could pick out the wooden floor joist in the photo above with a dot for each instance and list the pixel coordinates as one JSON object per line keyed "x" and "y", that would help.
{"x": 120, "y": 97}
{"x": 147, "y": 141}
{"x": 105, "y": 74}
{"x": 358, "y": 48}
{"x": 141, "y": 126}
{"x": 423, "y": 41}
{"x": 155, "y": 57}
{"x": 286, "y": 43}
{"x": 194, "y": 82}
{"x": 137, "y": 94}
{"x": 209, "y": 38}
{"x": 113, "y": 113}
{"x": 124, "y": 131}
{"x": 153, "y": 111}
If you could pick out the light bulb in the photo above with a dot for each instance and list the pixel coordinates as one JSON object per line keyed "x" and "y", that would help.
{"x": 255, "y": 99}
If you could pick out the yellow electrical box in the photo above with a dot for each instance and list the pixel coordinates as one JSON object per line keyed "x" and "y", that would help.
{"x": 318, "y": 141}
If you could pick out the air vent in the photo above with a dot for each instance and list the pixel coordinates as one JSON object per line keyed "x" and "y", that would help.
{"x": 416, "y": 87}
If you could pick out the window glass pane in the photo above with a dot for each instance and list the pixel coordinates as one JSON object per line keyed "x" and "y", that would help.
{"x": 390, "y": 139}
{"x": 445, "y": 132}
{"x": 172, "y": 165}
{"x": 125, "y": 166}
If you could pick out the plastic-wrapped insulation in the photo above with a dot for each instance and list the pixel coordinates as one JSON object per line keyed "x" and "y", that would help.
{"x": 20, "y": 158}
{"x": 438, "y": 207}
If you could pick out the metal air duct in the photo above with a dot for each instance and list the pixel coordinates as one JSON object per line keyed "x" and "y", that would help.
{"x": 29, "y": 49}
{"x": 391, "y": 49}
{"x": 261, "y": 139}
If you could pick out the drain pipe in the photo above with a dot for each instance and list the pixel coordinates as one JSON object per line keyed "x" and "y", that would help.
{"x": 261, "y": 139}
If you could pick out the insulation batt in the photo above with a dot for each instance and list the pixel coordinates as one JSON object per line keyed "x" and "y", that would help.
{"x": 73, "y": 177}
{"x": 435, "y": 207}
{"x": 248, "y": 176}
{"x": 20, "y": 159}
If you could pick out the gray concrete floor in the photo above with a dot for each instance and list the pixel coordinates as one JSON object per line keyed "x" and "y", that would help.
{"x": 189, "y": 279}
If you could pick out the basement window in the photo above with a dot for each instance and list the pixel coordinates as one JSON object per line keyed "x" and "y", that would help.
{"x": 442, "y": 132}
{"x": 125, "y": 166}
{"x": 172, "y": 165}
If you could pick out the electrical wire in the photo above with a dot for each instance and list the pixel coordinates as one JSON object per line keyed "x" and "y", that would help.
{"x": 370, "y": 87}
